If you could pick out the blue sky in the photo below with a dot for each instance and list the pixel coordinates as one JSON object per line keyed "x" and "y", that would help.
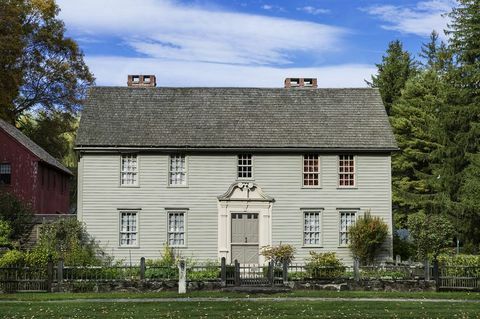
{"x": 250, "y": 43}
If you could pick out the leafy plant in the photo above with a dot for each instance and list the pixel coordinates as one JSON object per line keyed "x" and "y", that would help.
{"x": 367, "y": 236}
{"x": 17, "y": 214}
{"x": 210, "y": 270}
{"x": 430, "y": 233}
{"x": 5, "y": 233}
{"x": 163, "y": 268}
{"x": 12, "y": 258}
{"x": 279, "y": 254}
{"x": 324, "y": 265}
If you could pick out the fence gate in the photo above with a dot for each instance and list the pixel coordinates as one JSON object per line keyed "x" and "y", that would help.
{"x": 252, "y": 275}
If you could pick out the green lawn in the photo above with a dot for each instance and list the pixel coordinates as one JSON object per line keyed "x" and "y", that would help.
{"x": 221, "y": 294}
{"x": 240, "y": 309}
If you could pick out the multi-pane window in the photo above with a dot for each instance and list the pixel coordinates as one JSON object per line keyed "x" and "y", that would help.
{"x": 176, "y": 229}
{"x": 347, "y": 219}
{"x": 311, "y": 228}
{"x": 245, "y": 166}
{"x": 311, "y": 170}
{"x": 129, "y": 170}
{"x": 346, "y": 170}
{"x": 5, "y": 173}
{"x": 128, "y": 229}
{"x": 178, "y": 170}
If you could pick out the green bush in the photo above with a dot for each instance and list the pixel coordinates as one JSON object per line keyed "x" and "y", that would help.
{"x": 18, "y": 215}
{"x": 324, "y": 265}
{"x": 164, "y": 267}
{"x": 5, "y": 234}
{"x": 211, "y": 270}
{"x": 12, "y": 258}
{"x": 279, "y": 254}
{"x": 366, "y": 237}
{"x": 460, "y": 265}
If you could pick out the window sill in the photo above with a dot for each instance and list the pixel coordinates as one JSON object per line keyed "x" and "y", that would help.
{"x": 177, "y": 186}
{"x": 347, "y": 187}
{"x": 178, "y": 247}
{"x": 129, "y": 186}
{"x": 311, "y": 187}
{"x": 128, "y": 247}
{"x": 343, "y": 246}
{"x": 245, "y": 179}
{"x": 309, "y": 247}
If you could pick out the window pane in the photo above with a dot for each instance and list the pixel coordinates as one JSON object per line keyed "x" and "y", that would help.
{"x": 178, "y": 170}
{"x": 310, "y": 170}
{"x": 128, "y": 228}
{"x": 346, "y": 170}
{"x": 176, "y": 228}
{"x": 129, "y": 170}
{"x": 311, "y": 233}
{"x": 244, "y": 168}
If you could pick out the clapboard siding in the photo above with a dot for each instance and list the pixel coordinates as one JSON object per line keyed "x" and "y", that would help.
{"x": 210, "y": 176}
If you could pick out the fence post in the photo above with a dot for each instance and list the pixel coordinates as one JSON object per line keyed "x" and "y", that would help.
{"x": 285, "y": 272}
{"x": 237, "y": 273}
{"x": 142, "y": 268}
{"x": 427, "y": 270}
{"x": 356, "y": 269}
{"x": 223, "y": 272}
{"x": 436, "y": 275}
{"x": 182, "y": 277}
{"x": 49, "y": 275}
{"x": 271, "y": 270}
{"x": 60, "y": 271}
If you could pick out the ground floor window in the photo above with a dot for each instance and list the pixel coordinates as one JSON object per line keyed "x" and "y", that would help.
{"x": 176, "y": 229}
{"x": 311, "y": 228}
{"x": 347, "y": 219}
{"x": 5, "y": 173}
{"x": 128, "y": 229}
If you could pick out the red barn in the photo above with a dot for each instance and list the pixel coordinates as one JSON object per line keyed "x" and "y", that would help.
{"x": 32, "y": 174}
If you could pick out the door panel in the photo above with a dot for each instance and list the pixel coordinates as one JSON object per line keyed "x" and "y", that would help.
{"x": 245, "y": 237}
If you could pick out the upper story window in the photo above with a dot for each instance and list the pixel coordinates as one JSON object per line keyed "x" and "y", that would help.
{"x": 177, "y": 171}
{"x": 311, "y": 169}
{"x": 347, "y": 219}
{"x": 5, "y": 174}
{"x": 311, "y": 228}
{"x": 346, "y": 171}
{"x": 128, "y": 229}
{"x": 129, "y": 170}
{"x": 245, "y": 166}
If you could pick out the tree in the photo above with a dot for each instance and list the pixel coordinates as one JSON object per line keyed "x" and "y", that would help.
{"x": 415, "y": 122}
{"x": 366, "y": 237}
{"x": 430, "y": 233}
{"x": 436, "y": 54}
{"x": 5, "y": 234}
{"x": 18, "y": 215}
{"x": 44, "y": 69}
{"x": 458, "y": 176}
{"x": 396, "y": 68}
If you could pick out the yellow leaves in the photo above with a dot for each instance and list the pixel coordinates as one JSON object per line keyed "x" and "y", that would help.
{"x": 45, "y": 7}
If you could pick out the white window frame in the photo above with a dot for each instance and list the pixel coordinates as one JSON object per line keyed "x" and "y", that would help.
{"x": 241, "y": 165}
{"x": 170, "y": 158}
{"x": 306, "y": 172}
{"x": 340, "y": 231}
{"x": 137, "y": 172}
{"x": 177, "y": 211}
{"x": 136, "y": 232}
{"x": 343, "y": 173}
{"x": 320, "y": 231}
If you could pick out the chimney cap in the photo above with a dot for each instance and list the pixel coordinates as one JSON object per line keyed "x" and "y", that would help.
{"x": 141, "y": 80}
{"x": 300, "y": 83}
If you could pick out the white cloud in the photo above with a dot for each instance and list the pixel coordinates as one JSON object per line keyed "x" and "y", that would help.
{"x": 420, "y": 19}
{"x": 169, "y": 30}
{"x": 313, "y": 10}
{"x": 112, "y": 70}
{"x": 272, "y": 7}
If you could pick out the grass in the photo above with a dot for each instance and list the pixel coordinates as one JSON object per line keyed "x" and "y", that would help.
{"x": 239, "y": 309}
{"x": 221, "y": 294}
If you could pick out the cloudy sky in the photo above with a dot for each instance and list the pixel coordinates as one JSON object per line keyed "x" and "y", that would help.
{"x": 252, "y": 43}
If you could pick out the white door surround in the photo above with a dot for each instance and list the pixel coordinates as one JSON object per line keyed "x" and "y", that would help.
{"x": 243, "y": 197}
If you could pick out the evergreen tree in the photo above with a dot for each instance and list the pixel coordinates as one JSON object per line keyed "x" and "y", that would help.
{"x": 459, "y": 176}
{"x": 436, "y": 54}
{"x": 415, "y": 122}
{"x": 396, "y": 68}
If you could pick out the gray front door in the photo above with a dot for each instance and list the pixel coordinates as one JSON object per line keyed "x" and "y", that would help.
{"x": 245, "y": 238}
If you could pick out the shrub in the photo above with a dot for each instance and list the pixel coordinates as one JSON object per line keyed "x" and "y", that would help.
{"x": 211, "y": 270}
{"x": 163, "y": 268}
{"x": 18, "y": 215}
{"x": 460, "y": 265}
{"x": 278, "y": 254}
{"x": 324, "y": 265}
{"x": 12, "y": 258}
{"x": 430, "y": 233}
{"x": 367, "y": 236}
{"x": 5, "y": 233}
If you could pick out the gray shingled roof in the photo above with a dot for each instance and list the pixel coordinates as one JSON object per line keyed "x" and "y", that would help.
{"x": 323, "y": 119}
{"x": 32, "y": 146}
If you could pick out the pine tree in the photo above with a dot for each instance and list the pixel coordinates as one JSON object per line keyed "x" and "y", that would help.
{"x": 436, "y": 54}
{"x": 415, "y": 118}
{"x": 396, "y": 68}
{"x": 459, "y": 177}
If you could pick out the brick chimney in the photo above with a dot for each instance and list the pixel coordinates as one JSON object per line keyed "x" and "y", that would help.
{"x": 141, "y": 81}
{"x": 301, "y": 83}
